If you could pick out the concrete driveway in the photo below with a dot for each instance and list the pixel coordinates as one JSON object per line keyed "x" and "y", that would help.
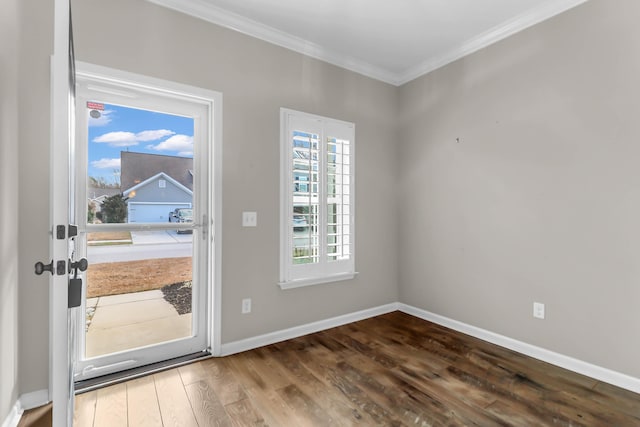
{"x": 159, "y": 236}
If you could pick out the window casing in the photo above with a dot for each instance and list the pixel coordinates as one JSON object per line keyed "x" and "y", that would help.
{"x": 317, "y": 199}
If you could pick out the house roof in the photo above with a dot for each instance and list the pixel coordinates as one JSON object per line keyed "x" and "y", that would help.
{"x": 95, "y": 193}
{"x": 136, "y": 168}
{"x": 160, "y": 175}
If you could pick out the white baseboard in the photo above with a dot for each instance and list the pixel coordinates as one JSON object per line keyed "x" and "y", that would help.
{"x": 298, "y": 331}
{"x": 25, "y": 402}
{"x": 13, "y": 418}
{"x": 34, "y": 399}
{"x": 596, "y": 372}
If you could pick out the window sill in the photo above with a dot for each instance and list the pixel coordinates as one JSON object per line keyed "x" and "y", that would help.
{"x": 298, "y": 283}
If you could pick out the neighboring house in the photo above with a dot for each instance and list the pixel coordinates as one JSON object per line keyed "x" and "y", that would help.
{"x": 97, "y": 195}
{"x": 155, "y": 185}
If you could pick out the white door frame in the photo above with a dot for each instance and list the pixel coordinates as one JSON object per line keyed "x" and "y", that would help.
{"x": 60, "y": 391}
{"x": 59, "y": 376}
{"x": 138, "y": 91}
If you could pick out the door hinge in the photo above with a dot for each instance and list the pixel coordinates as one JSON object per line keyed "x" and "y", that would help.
{"x": 61, "y": 231}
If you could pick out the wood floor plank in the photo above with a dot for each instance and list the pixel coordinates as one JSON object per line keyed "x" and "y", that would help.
{"x": 273, "y": 409}
{"x": 385, "y": 401}
{"x": 111, "y": 406}
{"x": 222, "y": 380}
{"x": 85, "y": 409}
{"x": 306, "y": 406}
{"x": 37, "y": 417}
{"x": 310, "y": 372}
{"x": 142, "y": 403}
{"x": 359, "y": 406}
{"x": 242, "y": 413}
{"x": 261, "y": 391}
{"x": 258, "y": 372}
{"x": 206, "y": 406}
{"x": 175, "y": 407}
{"x": 191, "y": 373}
{"x": 617, "y": 399}
{"x": 391, "y": 370}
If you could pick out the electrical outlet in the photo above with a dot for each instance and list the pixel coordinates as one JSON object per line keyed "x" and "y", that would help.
{"x": 249, "y": 219}
{"x": 246, "y": 305}
{"x": 538, "y": 310}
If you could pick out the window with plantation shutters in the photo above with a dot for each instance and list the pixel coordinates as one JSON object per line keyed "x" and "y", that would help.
{"x": 317, "y": 199}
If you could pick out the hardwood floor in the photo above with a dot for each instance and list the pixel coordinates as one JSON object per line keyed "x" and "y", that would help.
{"x": 37, "y": 417}
{"x": 392, "y": 370}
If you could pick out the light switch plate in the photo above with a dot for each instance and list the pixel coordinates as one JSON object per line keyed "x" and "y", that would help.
{"x": 249, "y": 219}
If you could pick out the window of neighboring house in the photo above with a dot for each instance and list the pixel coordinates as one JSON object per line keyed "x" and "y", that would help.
{"x": 162, "y": 183}
{"x": 317, "y": 199}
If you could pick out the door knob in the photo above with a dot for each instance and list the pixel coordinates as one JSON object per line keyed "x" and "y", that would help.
{"x": 60, "y": 267}
{"x": 41, "y": 267}
{"x": 81, "y": 265}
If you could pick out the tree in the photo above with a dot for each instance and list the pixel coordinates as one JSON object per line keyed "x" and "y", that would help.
{"x": 114, "y": 209}
{"x": 101, "y": 182}
{"x": 91, "y": 212}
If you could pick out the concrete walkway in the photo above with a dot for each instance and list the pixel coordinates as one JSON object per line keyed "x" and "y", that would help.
{"x": 123, "y": 322}
{"x": 152, "y": 237}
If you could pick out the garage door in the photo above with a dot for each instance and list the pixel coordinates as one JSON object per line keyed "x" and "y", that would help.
{"x": 152, "y": 212}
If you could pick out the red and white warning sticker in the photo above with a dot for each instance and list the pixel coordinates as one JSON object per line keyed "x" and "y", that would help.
{"x": 95, "y": 106}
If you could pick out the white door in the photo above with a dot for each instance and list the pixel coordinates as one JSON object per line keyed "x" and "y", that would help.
{"x": 149, "y": 289}
{"x": 61, "y": 386}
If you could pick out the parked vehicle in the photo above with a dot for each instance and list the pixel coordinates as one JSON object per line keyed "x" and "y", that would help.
{"x": 182, "y": 215}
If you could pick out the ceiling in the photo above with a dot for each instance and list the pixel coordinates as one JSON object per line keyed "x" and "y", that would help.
{"x": 393, "y": 41}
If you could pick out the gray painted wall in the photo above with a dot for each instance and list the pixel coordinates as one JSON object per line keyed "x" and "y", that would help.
{"x": 536, "y": 202}
{"x": 8, "y": 206}
{"x": 36, "y": 40}
{"x": 256, "y": 79}
{"x": 540, "y": 198}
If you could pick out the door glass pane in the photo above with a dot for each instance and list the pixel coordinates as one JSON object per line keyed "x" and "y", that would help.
{"x": 140, "y": 169}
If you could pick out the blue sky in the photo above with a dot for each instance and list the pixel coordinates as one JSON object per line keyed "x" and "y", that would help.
{"x": 128, "y": 129}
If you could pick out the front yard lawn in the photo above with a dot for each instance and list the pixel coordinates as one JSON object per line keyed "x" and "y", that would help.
{"x": 116, "y": 278}
{"x": 108, "y": 235}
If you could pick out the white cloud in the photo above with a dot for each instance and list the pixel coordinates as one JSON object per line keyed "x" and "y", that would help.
{"x": 127, "y": 139}
{"x": 179, "y": 143}
{"x": 106, "y": 164}
{"x": 153, "y": 135}
{"x": 118, "y": 139}
{"x": 103, "y": 120}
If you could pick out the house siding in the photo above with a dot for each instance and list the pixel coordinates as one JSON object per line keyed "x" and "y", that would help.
{"x": 153, "y": 193}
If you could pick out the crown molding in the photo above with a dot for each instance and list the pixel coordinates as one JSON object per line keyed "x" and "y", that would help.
{"x": 521, "y": 22}
{"x": 204, "y": 10}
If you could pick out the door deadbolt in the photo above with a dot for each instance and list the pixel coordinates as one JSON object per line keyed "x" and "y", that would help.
{"x": 60, "y": 267}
